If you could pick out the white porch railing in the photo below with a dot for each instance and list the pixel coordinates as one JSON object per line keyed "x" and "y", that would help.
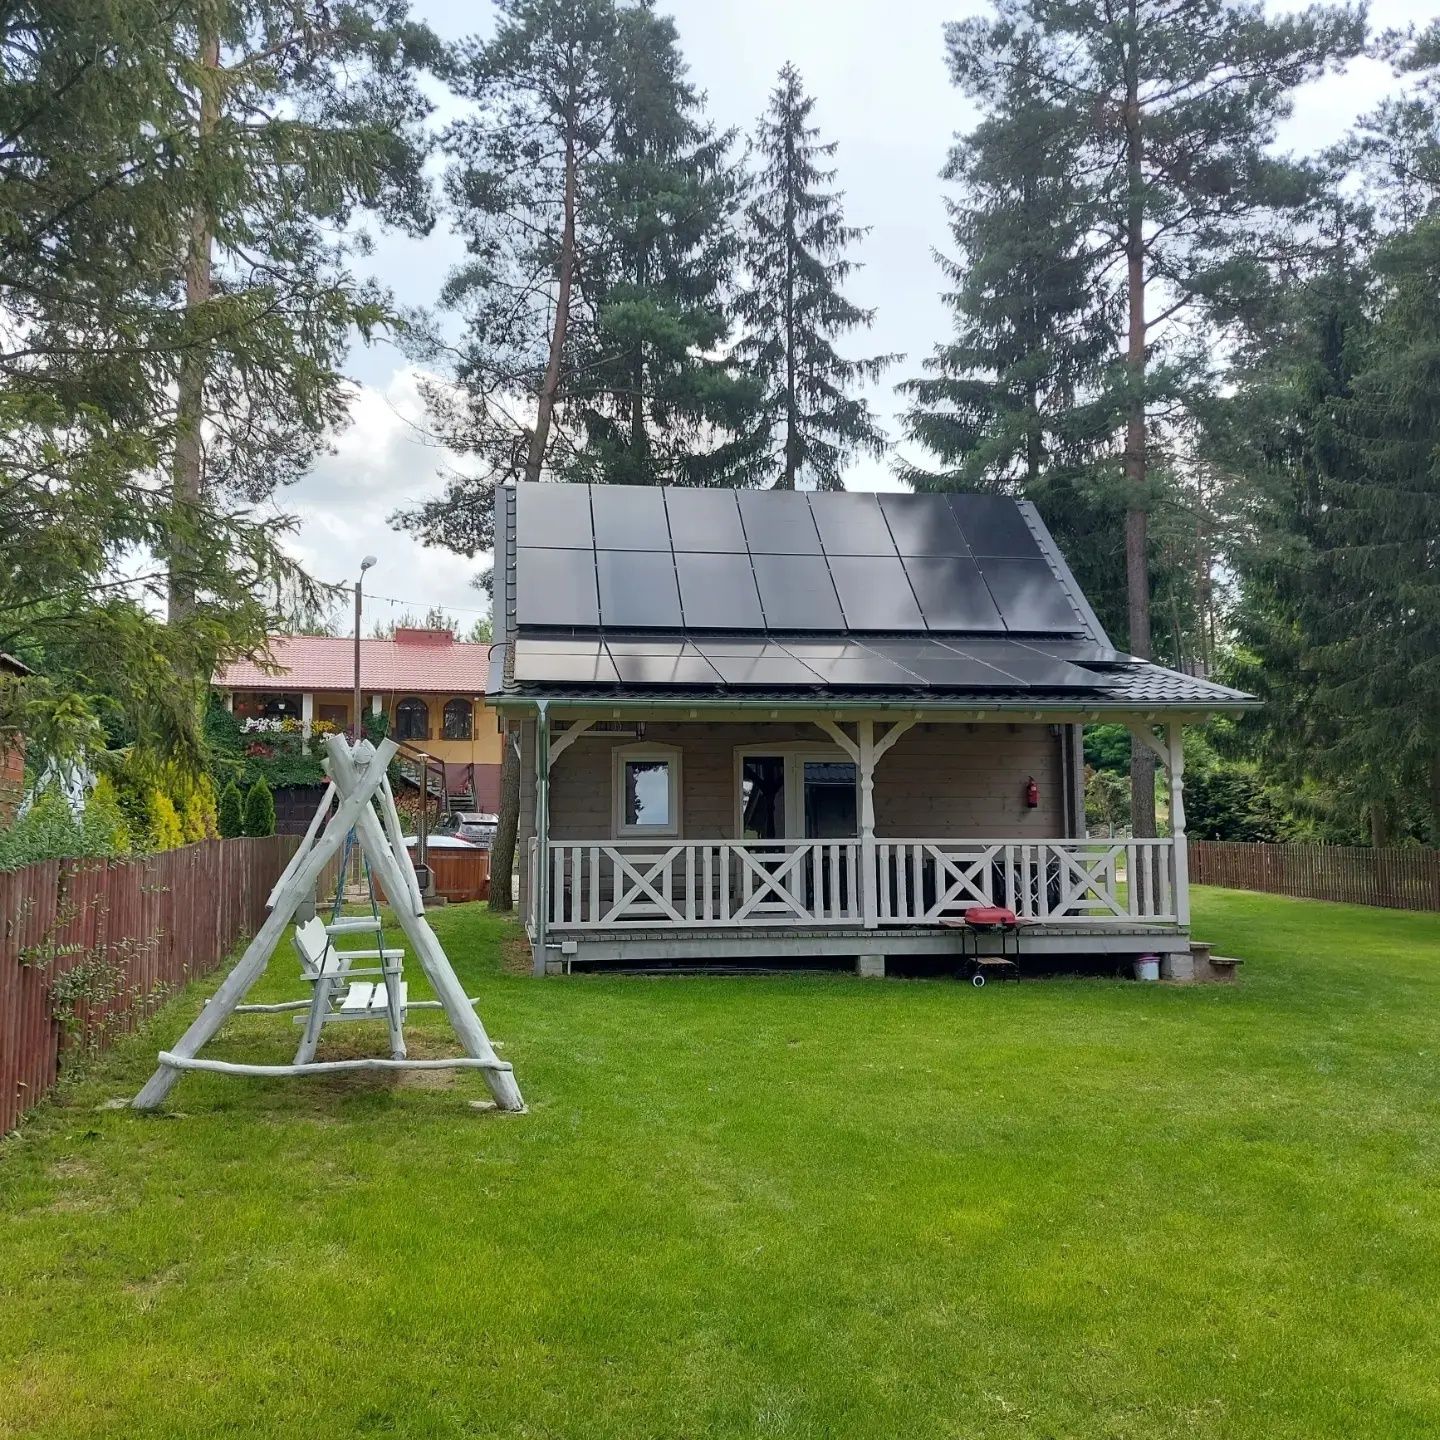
{"x": 600, "y": 884}
{"x": 1097, "y": 882}
{"x": 640, "y": 884}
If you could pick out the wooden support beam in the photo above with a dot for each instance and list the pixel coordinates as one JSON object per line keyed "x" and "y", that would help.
{"x": 1175, "y": 746}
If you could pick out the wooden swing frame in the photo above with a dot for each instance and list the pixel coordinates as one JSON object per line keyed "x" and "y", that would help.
{"x": 358, "y": 782}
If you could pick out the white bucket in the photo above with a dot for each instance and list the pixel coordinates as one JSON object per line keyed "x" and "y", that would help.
{"x": 1147, "y": 967}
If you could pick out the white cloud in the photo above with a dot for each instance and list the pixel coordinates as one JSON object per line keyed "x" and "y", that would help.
{"x": 383, "y": 461}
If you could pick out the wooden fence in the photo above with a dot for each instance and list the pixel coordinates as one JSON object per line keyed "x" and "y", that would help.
{"x": 1397, "y": 879}
{"x": 90, "y": 947}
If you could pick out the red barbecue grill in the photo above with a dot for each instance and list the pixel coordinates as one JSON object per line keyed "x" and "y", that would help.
{"x": 981, "y": 921}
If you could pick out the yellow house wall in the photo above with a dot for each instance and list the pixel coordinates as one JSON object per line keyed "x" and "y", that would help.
{"x": 482, "y": 749}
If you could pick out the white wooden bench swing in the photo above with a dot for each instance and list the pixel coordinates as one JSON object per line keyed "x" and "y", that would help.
{"x": 342, "y": 989}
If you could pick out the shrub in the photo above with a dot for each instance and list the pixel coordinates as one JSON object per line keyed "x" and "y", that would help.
{"x": 230, "y": 813}
{"x": 197, "y": 813}
{"x": 104, "y": 821}
{"x": 163, "y": 828}
{"x": 259, "y": 810}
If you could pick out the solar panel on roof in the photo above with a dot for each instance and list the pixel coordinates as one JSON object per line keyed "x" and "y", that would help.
{"x": 665, "y": 665}
{"x": 629, "y": 517}
{"x": 923, "y": 525}
{"x": 705, "y": 520}
{"x": 778, "y": 524}
{"x": 555, "y": 587}
{"x": 943, "y": 668}
{"x": 952, "y": 593}
{"x": 587, "y": 663}
{"x": 556, "y": 517}
{"x": 874, "y": 593}
{"x": 1079, "y": 652}
{"x": 1028, "y": 666}
{"x": 765, "y": 671}
{"x": 851, "y": 525}
{"x": 993, "y": 526}
{"x": 865, "y": 668}
{"x": 1029, "y": 596}
{"x": 797, "y": 593}
{"x": 638, "y": 589}
{"x": 717, "y": 592}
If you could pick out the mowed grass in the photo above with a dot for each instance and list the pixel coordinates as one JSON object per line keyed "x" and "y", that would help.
{"x": 810, "y": 1206}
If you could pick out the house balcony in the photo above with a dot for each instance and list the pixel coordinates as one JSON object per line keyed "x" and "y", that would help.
{"x": 615, "y": 887}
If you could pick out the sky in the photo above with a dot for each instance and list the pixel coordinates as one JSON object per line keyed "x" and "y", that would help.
{"x": 877, "y": 71}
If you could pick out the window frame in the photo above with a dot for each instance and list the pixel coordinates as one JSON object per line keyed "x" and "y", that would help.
{"x": 625, "y": 754}
{"x": 794, "y": 753}
{"x": 405, "y": 700}
{"x": 469, "y": 718}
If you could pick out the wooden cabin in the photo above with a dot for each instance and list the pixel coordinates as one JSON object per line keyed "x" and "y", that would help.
{"x": 762, "y": 725}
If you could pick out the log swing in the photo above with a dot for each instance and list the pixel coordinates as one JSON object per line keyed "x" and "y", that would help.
{"x": 358, "y": 784}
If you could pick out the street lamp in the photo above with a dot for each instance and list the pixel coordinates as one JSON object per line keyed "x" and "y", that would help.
{"x": 365, "y": 564}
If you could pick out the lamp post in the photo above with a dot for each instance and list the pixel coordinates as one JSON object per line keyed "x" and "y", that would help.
{"x": 365, "y": 564}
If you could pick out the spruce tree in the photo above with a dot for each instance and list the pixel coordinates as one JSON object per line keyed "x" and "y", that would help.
{"x": 230, "y": 812}
{"x": 809, "y": 422}
{"x": 1170, "y": 116}
{"x": 660, "y": 395}
{"x": 259, "y": 819}
{"x": 1016, "y": 401}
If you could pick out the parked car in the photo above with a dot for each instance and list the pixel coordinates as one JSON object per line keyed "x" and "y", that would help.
{"x": 476, "y": 827}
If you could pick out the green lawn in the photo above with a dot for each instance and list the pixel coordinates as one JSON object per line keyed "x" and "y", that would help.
{"x": 811, "y": 1206}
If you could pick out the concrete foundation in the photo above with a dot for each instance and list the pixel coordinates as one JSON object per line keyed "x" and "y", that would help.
{"x": 870, "y": 967}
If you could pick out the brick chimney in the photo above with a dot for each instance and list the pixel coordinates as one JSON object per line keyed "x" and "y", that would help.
{"x": 420, "y": 635}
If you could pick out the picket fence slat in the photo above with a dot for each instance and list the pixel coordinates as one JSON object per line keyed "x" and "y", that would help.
{"x": 139, "y": 928}
{"x": 1393, "y": 879}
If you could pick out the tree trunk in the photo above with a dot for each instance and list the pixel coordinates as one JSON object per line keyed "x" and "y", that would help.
{"x": 188, "y": 463}
{"x": 1137, "y": 539}
{"x": 502, "y": 856}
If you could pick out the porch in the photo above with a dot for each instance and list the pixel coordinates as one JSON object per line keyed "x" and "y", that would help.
{"x": 805, "y": 848}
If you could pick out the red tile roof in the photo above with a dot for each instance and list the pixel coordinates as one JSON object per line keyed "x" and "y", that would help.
{"x": 428, "y": 661}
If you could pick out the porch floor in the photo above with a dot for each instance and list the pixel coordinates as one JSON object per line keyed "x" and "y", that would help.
{"x": 762, "y": 943}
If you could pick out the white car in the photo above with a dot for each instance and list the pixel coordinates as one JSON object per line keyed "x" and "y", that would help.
{"x": 476, "y": 827}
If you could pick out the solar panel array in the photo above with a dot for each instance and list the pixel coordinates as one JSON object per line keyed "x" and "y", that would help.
{"x": 766, "y": 663}
{"x": 629, "y": 557}
{"x": 713, "y": 588}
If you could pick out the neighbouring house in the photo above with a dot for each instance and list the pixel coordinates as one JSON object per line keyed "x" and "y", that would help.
{"x": 429, "y": 685}
{"x": 12, "y": 745}
{"x": 765, "y": 724}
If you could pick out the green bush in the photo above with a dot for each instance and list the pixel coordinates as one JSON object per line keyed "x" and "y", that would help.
{"x": 230, "y": 812}
{"x": 50, "y": 830}
{"x": 163, "y": 830}
{"x": 105, "y": 821}
{"x": 259, "y": 810}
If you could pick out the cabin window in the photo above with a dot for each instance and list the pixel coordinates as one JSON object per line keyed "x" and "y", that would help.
{"x": 412, "y": 719}
{"x": 647, "y": 791}
{"x": 458, "y": 720}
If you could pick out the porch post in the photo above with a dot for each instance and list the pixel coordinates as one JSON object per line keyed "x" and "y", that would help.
{"x": 865, "y": 735}
{"x": 307, "y": 712}
{"x": 542, "y": 831}
{"x": 1175, "y": 764}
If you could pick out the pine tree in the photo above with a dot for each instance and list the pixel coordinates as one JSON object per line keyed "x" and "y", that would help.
{"x": 660, "y": 396}
{"x": 299, "y": 116}
{"x": 1016, "y": 402}
{"x": 517, "y": 188}
{"x": 1171, "y": 116}
{"x": 809, "y": 421}
{"x": 230, "y": 813}
{"x": 259, "y": 819}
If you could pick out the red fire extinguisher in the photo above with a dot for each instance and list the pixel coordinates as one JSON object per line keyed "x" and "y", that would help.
{"x": 1032, "y": 793}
